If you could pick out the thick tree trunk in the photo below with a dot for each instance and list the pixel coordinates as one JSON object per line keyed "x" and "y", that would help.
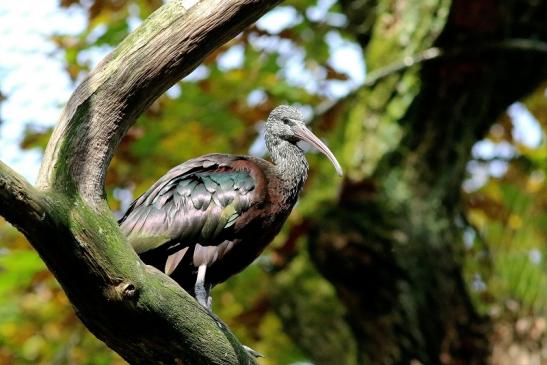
{"x": 136, "y": 310}
{"x": 392, "y": 244}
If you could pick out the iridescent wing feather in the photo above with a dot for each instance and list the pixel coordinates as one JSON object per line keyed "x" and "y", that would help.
{"x": 196, "y": 202}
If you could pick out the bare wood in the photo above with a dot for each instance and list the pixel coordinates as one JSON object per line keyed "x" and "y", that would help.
{"x": 138, "y": 311}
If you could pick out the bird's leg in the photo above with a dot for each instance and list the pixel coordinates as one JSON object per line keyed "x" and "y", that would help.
{"x": 199, "y": 289}
{"x": 252, "y": 352}
{"x": 209, "y": 297}
{"x": 222, "y": 325}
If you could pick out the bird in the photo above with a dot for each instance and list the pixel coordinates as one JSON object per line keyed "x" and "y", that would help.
{"x": 210, "y": 217}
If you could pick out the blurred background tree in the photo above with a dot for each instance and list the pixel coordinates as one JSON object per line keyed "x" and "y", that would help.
{"x": 432, "y": 248}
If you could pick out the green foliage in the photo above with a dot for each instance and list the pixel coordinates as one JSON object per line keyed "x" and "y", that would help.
{"x": 508, "y": 252}
{"x": 206, "y": 114}
{"x": 37, "y": 324}
{"x": 280, "y": 305}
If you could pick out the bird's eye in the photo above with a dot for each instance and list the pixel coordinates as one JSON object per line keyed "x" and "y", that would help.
{"x": 286, "y": 121}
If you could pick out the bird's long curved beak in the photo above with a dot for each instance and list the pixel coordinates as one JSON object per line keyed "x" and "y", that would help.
{"x": 306, "y": 135}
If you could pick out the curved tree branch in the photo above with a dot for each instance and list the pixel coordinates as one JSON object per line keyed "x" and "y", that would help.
{"x": 135, "y": 309}
{"x": 167, "y": 47}
{"x": 20, "y": 203}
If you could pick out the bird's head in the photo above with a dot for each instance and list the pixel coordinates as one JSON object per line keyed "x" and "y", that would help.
{"x": 287, "y": 123}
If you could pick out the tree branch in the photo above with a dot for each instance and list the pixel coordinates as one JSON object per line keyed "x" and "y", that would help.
{"x": 430, "y": 55}
{"x": 168, "y": 46}
{"x": 20, "y": 203}
{"x": 135, "y": 309}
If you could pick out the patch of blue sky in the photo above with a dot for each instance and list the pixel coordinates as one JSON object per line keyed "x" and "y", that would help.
{"x": 535, "y": 256}
{"x": 526, "y": 128}
{"x": 487, "y": 150}
{"x": 256, "y": 97}
{"x": 477, "y": 283}
{"x": 200, "y": 73}
{"x": 320, "y": 13}
{"x": 258, "y": 147}
{"x": 174, "y": 91}
{"x": 477, "y": 176}
{"x": 93, "y": 55}
{"x": 232, "y": 58}
{"x": 32, "y": 74}
{"x": 345, "y": 56}
{"x": 279, "y": 19}
{"x": 96, "y": 33}
{"x": 134, "y": 20}
{"x": 297, "y": 73}
{"x": 320, "y": 10}
{"x": 491, "y": 158}
{"x": 469, "y": 236}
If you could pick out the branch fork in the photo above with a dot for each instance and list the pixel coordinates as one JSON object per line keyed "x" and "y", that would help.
{"x": 140, "y": 313}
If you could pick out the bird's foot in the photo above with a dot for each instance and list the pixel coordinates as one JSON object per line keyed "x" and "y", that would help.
{"x": 252, "y": 352}
{"x": 203, "y": 302}
{"x": 207, "y": 305}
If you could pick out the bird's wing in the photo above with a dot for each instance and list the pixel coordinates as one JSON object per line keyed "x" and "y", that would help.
{"x": 195, "y": 202}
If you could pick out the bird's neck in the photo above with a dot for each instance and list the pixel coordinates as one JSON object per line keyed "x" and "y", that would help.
{"x": 290, "y": 164}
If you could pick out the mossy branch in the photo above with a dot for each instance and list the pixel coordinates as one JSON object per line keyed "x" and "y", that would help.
{"x": 136, "y": 310}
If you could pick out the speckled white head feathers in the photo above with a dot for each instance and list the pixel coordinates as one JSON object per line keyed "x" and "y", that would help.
{"x": 286, "y": 123}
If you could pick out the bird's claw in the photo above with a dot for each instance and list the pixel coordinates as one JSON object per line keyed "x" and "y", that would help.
{"x": 252, "y": 352}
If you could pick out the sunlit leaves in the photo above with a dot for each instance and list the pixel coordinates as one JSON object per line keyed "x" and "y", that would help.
{"x": 509, "y": 212}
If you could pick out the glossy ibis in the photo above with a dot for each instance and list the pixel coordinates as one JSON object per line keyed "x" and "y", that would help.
{"x": 210, "y": 217}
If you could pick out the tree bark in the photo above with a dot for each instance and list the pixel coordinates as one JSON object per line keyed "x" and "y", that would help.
{"x": 136, "y": 310}
{"x": 392, "y": 245}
